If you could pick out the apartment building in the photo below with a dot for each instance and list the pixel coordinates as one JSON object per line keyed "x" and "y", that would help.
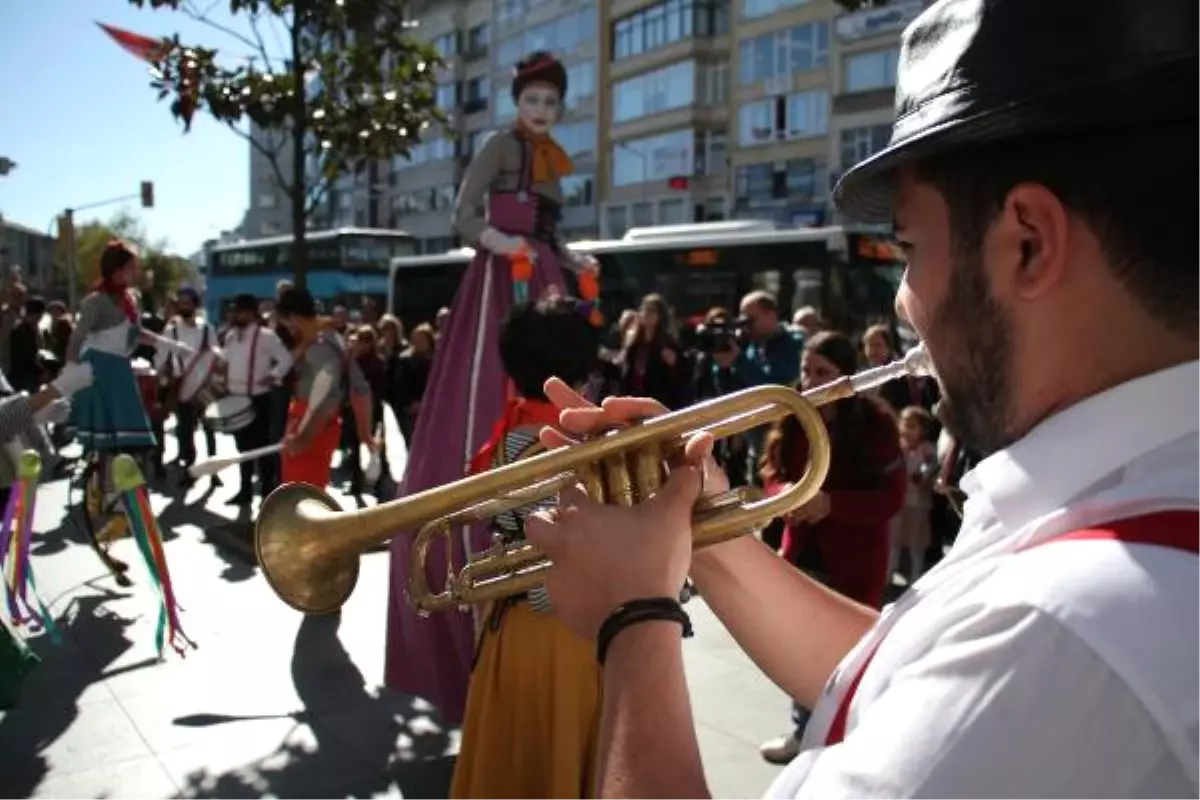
{"x": 723, "y": 109}
{"x": 677, "y": 111}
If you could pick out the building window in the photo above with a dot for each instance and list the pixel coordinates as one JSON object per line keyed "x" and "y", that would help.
{"x": 267, "y": 200}
{"x": 668, "y": 22}
{"x": 641, "y": 215}
{"x": 713, "y": 88}
{"x": 562, "y": 35}
{"x": 577, "y": 190}
{"x": 435, "y": 149}
{"x": 801, "y": 179}
{"x": 581, "y": 83}
{"x": 446, "y": 45}
{"x": 447, "y": 96}
{"x": 862, "y": 143}
{"x": 711, "y": 152}
{"x": 713, "y": 210}
{"x": 780, "y": 54}
{"x": 422, "y": 201}
{"x": 753, "y": 9}
{"x": 797, "y": 116}
{"x": 268, "y": 228}
{"x": 616, "y": 221}
{"x": 673, "y": 211}
{"x": 863, "y": 72}
{"x": 478, "y": 39}
{"x": 673, "y": 86}
{"x": 653, "y": 158}
{"x": 577, "y": 138}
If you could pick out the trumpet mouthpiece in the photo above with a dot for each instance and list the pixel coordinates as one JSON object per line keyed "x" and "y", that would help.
{"x": 918, "y": 363}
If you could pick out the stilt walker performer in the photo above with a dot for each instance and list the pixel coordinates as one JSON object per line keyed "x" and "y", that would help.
{"x": 509, "y": 207}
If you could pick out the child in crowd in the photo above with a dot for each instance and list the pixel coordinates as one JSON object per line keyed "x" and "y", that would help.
{"x": 533, "y": 703}
{"x": 914, "y": 526}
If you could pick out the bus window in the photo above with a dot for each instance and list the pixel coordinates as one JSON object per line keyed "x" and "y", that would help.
{"x": 807, "y": 290}
{"x": 766, "y": 281}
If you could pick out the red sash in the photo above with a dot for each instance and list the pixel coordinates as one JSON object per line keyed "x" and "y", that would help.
{"x": 517, "y": 413}
{"x": 1177, "y": 530}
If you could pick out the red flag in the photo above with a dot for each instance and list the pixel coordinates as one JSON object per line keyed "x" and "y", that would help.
{"x": 135, "y": 44}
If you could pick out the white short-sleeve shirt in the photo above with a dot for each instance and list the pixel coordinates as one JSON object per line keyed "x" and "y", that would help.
{"x": 1066, "y": 670}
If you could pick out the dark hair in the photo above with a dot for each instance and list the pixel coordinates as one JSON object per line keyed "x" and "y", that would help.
{"x": 35, "y": 305}
{"x": 115, "y": 256}
{"x": 539, "y": 67}
{"x": 859, "y": 420}
{"x": 1134, "y": 189}
{"x": 295, "y": 302}
{"x": 551, "y": 338}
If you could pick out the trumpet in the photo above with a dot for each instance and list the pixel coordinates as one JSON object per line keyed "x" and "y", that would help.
{"x": 309, "y": 548}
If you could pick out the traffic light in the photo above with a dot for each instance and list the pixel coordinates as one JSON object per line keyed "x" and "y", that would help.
{"x": 147, "y": 194}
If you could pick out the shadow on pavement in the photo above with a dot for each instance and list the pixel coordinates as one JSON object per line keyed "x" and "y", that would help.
{"x": 93, "y": 638}
{"x": 363, "y": 743}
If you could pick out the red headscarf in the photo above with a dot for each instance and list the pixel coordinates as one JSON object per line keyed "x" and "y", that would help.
{"x": 116, "y": 251}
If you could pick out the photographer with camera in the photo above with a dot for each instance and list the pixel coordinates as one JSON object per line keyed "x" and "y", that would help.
{"x": 733, "y": 355}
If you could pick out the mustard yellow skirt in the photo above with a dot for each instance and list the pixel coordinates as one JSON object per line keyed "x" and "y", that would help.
{"x": 533, "y": 711}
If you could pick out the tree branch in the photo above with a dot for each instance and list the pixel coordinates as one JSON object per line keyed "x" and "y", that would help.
{"x": 190, "y": 10}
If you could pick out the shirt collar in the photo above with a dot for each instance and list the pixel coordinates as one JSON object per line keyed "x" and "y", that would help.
{"x": 1077, "y": 447}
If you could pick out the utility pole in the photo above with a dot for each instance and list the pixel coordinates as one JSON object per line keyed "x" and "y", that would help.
{"x": 66, "y": 239}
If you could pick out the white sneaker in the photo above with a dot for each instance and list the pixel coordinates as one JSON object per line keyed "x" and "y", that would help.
{"x": 781, "y": 750}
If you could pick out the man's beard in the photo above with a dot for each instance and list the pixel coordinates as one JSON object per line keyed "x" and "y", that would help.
{"x": 973, "y": 338}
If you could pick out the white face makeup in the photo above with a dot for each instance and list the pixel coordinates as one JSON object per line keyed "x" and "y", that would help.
{"x": 539, "y": 107}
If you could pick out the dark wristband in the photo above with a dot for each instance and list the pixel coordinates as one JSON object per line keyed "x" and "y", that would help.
{"x": 651, "y": 609}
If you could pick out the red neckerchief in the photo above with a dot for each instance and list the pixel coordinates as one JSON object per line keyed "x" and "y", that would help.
{"x": 517, "y": 413}
{"x": 120, "y": 296}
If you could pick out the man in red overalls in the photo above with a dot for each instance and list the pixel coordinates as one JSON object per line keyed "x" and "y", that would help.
{"x": 1041, "y": 181}
{"x": 324, "y": 375}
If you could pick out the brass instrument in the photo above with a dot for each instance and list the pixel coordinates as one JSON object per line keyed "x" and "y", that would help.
{"x": 309, "y": 548}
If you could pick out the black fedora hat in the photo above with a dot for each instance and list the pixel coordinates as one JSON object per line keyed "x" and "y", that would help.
{"x": 978, "y": 72}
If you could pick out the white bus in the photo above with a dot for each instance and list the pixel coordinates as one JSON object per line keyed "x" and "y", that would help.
{"x": 849, "y": 275}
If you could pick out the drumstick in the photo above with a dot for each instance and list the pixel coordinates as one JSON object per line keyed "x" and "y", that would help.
{"x": 322, "y": 386}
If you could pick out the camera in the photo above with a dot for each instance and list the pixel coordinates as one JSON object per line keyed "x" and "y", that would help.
{"x": 718, "y": 336}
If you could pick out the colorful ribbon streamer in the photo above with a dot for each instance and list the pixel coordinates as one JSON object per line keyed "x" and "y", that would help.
{"x": 25, "y": 606}
{"x": 129, "y": 481}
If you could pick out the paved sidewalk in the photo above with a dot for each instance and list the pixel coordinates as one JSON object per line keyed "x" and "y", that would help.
{"x": 272, "y": 703}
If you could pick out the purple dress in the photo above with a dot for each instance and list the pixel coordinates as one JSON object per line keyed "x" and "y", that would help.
{"x": 431, "y": 657}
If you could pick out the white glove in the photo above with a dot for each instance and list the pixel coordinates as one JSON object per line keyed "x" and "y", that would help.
{"x": 374, "y": 470}
{"x": 502, "y": 244}
{"x": 75, "y": 375}
{"x": 54, "y": 413}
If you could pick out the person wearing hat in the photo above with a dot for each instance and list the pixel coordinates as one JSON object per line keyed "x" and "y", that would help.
{"x": 1041, "y": 178}
{"x": 255, "y": 363}
{"x": 324, "y": 377}
{"x": 190, "y": 329}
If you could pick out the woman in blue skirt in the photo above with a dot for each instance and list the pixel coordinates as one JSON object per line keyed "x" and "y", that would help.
{"x": 109, "y": 415}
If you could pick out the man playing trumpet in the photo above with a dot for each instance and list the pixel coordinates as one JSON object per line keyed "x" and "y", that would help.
{"x": 1041, "y": 194}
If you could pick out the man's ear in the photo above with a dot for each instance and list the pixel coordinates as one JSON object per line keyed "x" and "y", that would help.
{"x": 1033, "y": 238}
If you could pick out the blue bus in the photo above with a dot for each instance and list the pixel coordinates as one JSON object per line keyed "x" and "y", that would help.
{"x": 345, "y": 266}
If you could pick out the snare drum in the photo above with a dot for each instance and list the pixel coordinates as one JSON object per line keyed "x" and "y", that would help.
{"x": 197, "y": 383}
{"x": 229, "y": 414}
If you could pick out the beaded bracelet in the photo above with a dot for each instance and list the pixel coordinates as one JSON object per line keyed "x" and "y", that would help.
{"x": 651, "y": 609}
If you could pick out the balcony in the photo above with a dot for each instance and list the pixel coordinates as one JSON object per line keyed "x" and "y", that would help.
{"x": 858, "y": 102}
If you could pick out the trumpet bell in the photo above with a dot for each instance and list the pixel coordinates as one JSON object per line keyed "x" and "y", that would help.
{"x": 296, "y": 555}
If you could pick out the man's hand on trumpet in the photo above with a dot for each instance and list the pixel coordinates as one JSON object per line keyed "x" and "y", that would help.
{"x": 604, "y": 556}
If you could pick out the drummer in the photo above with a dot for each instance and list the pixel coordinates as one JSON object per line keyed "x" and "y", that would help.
{"x": 189, "y": 328}
{"x": 256, "y": 362}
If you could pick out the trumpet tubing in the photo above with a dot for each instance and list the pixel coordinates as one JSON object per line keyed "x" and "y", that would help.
{"x": 309, "y": 549}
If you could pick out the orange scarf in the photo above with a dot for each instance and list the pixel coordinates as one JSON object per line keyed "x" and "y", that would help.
{"x": 550, "y": 161}
{"x": 518, "y": 412}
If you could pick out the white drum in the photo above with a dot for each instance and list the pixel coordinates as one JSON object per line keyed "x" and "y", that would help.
{"x": 197, "y": 382}
{"x": 229, "y": 414}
